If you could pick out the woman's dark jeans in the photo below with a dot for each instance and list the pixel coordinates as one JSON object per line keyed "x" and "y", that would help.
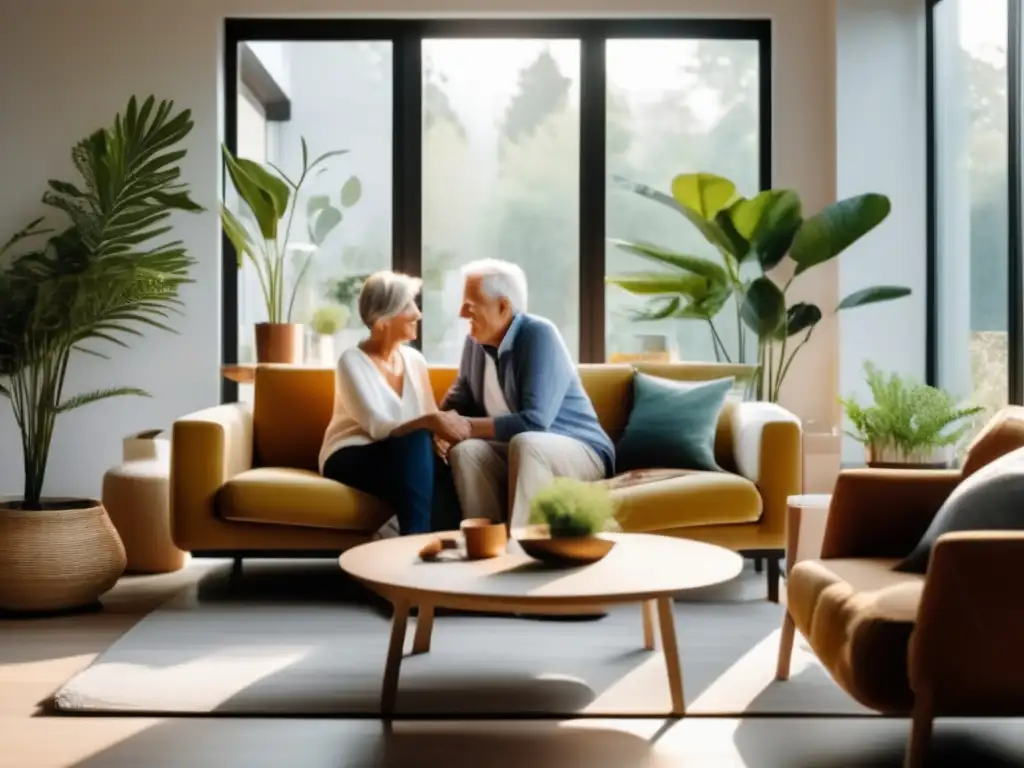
{"x": 404, "y": 473}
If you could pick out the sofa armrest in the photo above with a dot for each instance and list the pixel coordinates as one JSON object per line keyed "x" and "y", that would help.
{"x": 884, "y": 512}
{"x": 768, "y": 451}
{"x": 208, "y": 448}
{"x": 967, "y": 644}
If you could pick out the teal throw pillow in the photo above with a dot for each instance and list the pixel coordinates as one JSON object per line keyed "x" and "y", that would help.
{"x": 672, "y": 424}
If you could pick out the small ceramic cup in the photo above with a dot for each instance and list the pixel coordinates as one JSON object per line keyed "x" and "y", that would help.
{"x": 484, "y": 538}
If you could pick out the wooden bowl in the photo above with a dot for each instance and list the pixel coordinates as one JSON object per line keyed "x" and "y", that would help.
{"x": 567, "y": 551}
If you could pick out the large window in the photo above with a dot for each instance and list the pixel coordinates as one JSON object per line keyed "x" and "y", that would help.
{"x": 972, "y": 265}
{"x": 476, "y": 139}
{"x": 501, "y": 147}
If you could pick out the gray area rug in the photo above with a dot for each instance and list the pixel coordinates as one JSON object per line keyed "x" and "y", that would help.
{"x": 300, "y": 640}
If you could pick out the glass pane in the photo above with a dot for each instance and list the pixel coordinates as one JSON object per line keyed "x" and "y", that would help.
{"x": 340, "y": 95}
{"x": 674, "y": 106}
{"x": 973, "y": 218}
{"x": 500, "y": 177}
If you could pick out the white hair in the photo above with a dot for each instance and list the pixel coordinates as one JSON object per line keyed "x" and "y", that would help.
{"x": 500, "y": 279}
{"x": 386, "y": 294}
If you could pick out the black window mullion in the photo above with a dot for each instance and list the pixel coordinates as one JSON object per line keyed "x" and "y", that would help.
{"x": 1015, "y": 267}
{"x": 229, "y": 261}
{"x": 764, "y": 107}
{"x": 931, "y": 364}
{"x": 593, "y": 161}
{"x": 407, "y": 156}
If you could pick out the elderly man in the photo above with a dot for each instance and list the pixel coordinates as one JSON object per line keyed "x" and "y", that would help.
{"x": 530, "y": 419}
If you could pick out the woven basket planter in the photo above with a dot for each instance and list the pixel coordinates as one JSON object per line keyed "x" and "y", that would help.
{"x": 60, "y": 558}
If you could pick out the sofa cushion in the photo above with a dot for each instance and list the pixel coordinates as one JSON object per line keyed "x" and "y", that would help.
{"x": 672, "y": 424}
{"x": 1003, "y": 433}
{"x": 287, "y": 436}
{"x": 298, "y": 497}
{"x": 987, "y": 500}
{"x": 857, "y": 615}
{"x": 292, "y": 406}
{"x": 666, "y": 499}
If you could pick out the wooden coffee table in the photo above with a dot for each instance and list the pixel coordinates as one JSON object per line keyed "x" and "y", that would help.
{"x": 641, "y": 568}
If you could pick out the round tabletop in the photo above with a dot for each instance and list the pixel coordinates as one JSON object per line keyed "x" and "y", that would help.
{"x": 639, "y": 567}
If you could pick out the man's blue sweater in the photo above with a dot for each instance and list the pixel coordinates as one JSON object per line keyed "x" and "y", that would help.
{"x": 541, "y": 386}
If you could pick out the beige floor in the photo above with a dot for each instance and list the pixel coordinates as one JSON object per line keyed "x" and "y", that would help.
{"x": 38, "y": 656}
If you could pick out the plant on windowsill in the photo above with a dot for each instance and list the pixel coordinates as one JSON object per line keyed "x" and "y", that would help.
{"x": 271, "y": 197}
{"x": 326, "y": 322}
{"x": 764, "y": 243}
{"x": 908, "y": 423}
{"x": 566, "y": 519}
{"x": 98, "y": 280}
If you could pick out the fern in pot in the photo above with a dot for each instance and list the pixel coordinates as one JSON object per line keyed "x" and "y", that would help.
{"x": 567, "y": 519}
{"x": 103, "y": 278}
{"x": 908, "y": 423}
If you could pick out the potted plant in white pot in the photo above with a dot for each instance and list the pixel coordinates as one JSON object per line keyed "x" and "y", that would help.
{"x": 271, "y": 197}
{"x": 908, "y": 424}
{"x": 99, "y": 280}
{"x": 326, "y": 322}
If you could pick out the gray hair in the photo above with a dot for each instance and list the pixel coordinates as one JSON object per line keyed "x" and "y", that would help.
{"x": 386, "y": 294}
{"x": 500, "y": 279}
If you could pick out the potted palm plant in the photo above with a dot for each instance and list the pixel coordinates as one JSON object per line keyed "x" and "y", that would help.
{"x": 271, "y": 198}
{"x": 96, "y": 281}
{"x": 908, "y": 423}
{"x": 763, "y": 244}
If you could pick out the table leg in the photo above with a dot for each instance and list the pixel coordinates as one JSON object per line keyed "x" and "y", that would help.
{"x": 668, "y": 644}
{"x": 647, "y": 606}
{"x": 424, "y": 626}
{"x": 395, "y": 650}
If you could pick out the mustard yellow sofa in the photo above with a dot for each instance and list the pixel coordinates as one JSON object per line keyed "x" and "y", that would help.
{"x": 946, "y": 643}
{"x": 244, "y": 479}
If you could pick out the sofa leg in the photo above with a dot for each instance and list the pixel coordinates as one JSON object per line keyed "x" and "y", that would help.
{"x": 758, "y": 564}
{"x": 773, "y": 577}
{"x": 786, "y": 640}
{"x": 920, "y": 733}
{"x": 236, "y": 569}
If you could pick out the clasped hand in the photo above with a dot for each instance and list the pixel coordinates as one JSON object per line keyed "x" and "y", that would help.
{"x": 450, "y": 428}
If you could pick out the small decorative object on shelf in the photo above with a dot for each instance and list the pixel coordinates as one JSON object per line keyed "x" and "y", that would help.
{"x": 567, "y": 519}
{"x": 909, "y": 424}
{"x": 326, "y": 322}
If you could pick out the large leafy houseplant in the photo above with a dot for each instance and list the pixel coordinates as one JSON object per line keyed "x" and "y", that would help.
{"x": 763, "y": 244}
{"x": 263, "y": 231}
{"x": 907, "y": 422}
{"x": 100, "y": 279}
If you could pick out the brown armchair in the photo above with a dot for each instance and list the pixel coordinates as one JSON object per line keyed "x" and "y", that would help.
{"x": 946, "y": 643}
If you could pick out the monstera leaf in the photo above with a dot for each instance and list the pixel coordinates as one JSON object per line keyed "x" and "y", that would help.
{"x": 873, "y": 295}
{"x": 768, "y": 222}
{"x": 764, "y": 307}
{"x": 836, "y": 227}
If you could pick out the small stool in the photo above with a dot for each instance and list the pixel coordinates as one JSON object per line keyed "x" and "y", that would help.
{"x": 137, "y": 499}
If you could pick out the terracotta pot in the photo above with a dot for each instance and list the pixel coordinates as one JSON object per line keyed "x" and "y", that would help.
{"x": 279, "y": 343}
{"x": 62, "y": 557}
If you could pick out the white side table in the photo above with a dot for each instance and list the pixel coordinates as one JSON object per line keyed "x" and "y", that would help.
{"x": 806, "y": 517}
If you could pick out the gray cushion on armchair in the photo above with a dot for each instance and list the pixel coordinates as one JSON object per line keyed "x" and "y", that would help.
{"x": 991, "y": 499}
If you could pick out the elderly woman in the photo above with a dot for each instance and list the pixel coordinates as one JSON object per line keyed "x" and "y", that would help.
{"x": 380, "y": 439}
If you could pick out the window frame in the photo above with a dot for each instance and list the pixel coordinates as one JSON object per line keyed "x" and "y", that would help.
{"x": 406, "y": 36}
{"x": 1015, "y": 198}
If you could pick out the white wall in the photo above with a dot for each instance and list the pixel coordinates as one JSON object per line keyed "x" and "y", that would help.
{"x": 880, "y": 147}
{"x": 70, "y": 64}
